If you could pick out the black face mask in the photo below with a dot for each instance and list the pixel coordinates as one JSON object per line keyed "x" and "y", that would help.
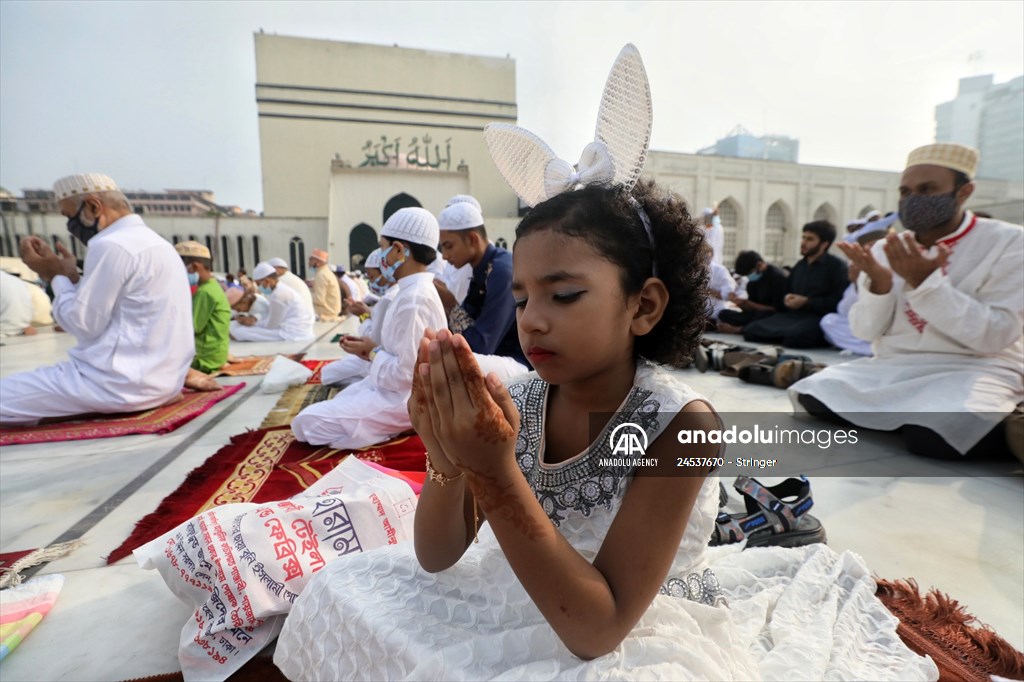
{"x": 921, "y": 213}
{"x": 79, "y": 229}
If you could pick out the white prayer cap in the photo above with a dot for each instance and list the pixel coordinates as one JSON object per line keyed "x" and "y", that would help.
{"x": 262, "y": 271}
{"x": 278, "y": 263}
{"x": 373, "y": 260}
{"x": 192, "y": 249}
{"x": 462, "y": 216}
{"x": 83, "y": 183}
{"x": 872, "y": 214}
{"x": 464, "y": 199}
{"x": 708, "y": 211}
{"x": 856, "y": 222}
{"x": 415, "y": 225}
{"x": 950, "y": 155}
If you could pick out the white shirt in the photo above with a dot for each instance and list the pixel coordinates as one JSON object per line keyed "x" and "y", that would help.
{"x": 716, "y": 238}
{"x": 289, "y": 314}
{"x": 295, "y": 283}
{"x": 131, "y": 313}
{"x": 354, "y": 292}
{"x": 415, "y": 308}
{"x": 457, "y": 279}
{"x": 723, "y": 283}
{"x": 15, "y": 305}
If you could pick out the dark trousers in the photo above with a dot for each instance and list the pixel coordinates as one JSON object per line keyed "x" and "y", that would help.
{"x": 793, "y": 330}
{"x": 921, "y": 440}
{"x": 740, "y": 318}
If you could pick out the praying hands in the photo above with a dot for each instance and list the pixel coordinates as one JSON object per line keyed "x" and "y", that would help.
{"x": 47, "y": 264}
{"x": 907, "y": 258}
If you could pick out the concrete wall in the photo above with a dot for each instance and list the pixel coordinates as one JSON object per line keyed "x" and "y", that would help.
{"x": 367, "y": 105}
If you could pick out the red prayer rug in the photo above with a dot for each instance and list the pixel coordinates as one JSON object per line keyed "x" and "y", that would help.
{"x": 158, "y": 420}
{"x": 263, "y": 466}
{"x": 316, "y": 366}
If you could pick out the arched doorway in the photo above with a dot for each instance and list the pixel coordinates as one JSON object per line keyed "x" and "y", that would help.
{"x": 728, "y": 213}
{"x": 826, "y": 212}
{"x": 775, "y": 226}
{"x": 361, "y": 241}
{"x": 864, "y": 211}
{"x": 397, "y": 202}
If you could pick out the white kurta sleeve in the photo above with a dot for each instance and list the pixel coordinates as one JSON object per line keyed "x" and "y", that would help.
{"x": 85, "y": 309}
{"x": 395, "y": 362}
{"x": 873, "y": 314}
{"x": 985, "y": 323}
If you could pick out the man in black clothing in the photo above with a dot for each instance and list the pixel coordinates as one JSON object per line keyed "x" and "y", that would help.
{"x": 815, "y": 287}
{"x": 766, "y": 288}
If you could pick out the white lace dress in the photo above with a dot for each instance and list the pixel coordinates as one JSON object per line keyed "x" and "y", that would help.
{"x": 805, "y": 613}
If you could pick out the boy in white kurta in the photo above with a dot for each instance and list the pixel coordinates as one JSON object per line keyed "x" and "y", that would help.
{"x": 289, "y": 319}
{"x": 945, "y": 321}
{"x": 374, "y": 409}
{"x": 130, "y": 311}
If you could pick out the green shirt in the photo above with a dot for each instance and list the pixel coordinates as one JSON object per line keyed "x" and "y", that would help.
{"x": 211, "y": 317}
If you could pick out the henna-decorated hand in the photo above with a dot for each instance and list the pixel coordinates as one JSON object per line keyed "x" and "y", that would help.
{"x": 419, "y": 412}
{"x": 473, "y": 418}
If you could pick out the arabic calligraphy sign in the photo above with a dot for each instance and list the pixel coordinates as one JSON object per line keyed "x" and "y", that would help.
{"x": 418, "y": 153}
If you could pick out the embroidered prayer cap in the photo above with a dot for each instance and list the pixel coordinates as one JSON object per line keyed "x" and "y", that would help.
{"x": 615, "y": 157}
{"x": 234, "y": 295}
{"x": 373, "y": 260}
{"x": 415, "y": 225}
{"x": 278, "y": 263}
{"x": 83, "y": 183}
{"x": 462, "y": 216}
{"x": 950, "y": 155}
{"x": 465, "y": 199}
{"x": 192, "y": 249}
{"x": 262, "y": 271}
{"x": 320, "y": 254}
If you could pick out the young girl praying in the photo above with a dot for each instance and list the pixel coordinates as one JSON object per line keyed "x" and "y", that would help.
{"x": 555, "y": 536}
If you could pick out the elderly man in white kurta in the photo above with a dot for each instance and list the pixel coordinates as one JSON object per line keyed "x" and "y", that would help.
{"x": 130, "y": 311}
{"x": 289, "y": 319}
{"x": 292, "y": 281}
{"x": 374, "y": 409}
{"x": 943, "y": 305}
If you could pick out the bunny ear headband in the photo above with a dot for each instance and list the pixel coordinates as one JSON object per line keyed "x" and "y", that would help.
{"x": 616, "y": 156}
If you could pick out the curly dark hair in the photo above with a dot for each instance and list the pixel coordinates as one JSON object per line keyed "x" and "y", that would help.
{"x": 606, "y": 219}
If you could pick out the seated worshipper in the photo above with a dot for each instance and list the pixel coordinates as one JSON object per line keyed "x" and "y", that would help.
{"x": 373, "y": 409}
{"x": 129, "y": 311}
{"x": 326, "y": 290}
{"x": 354, "y": 366}
{"x": 720, "y": 287}
{"x": 291, "y": 280}
{"x": 486, "y": 318}
{"x": 813, "y": 289}
{"x": 766, "y": 291}
{"x": 714, "y": 233}
{"x": 348, "y": 287}
{"x": 941, "y": 304}
{"x": 457, "y": 279}
{"x": 211, "y": 316}
{"x": 537, "y": 554}
{"x": 289, "y": 318}
{"x": 15, "y": 306}
{"x": 836, "y": 326}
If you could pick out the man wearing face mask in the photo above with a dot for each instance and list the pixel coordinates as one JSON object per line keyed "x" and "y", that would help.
{"x": 130, "y": 312}
{"x": 289, "y": 319}
{"x": 941, "y": 304}
{"x": 326, "y": 290}
{"x": 211, "y": 315}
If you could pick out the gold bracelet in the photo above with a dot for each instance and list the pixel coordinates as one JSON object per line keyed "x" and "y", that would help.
{"x": 439, "y": 478}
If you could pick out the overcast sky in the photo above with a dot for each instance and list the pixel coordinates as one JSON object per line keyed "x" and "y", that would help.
{"x": 161, "y": 94}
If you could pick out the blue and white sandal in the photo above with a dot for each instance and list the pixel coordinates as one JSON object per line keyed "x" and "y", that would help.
{"x": 776, "y": 516}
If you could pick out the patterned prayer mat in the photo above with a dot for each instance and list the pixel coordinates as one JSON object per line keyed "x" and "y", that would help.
{"x": 294, "y": 400}
{"x": 316, "y": 366}
{"x": 252, "y": 365}
{"x": 262, "y": 466}
{"x": 158, "y": 420}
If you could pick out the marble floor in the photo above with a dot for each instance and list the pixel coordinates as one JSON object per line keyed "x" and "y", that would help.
{"x": 952, "y": 526}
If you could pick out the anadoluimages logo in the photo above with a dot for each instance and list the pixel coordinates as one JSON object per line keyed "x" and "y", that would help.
{"x": 628, "y": 440}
